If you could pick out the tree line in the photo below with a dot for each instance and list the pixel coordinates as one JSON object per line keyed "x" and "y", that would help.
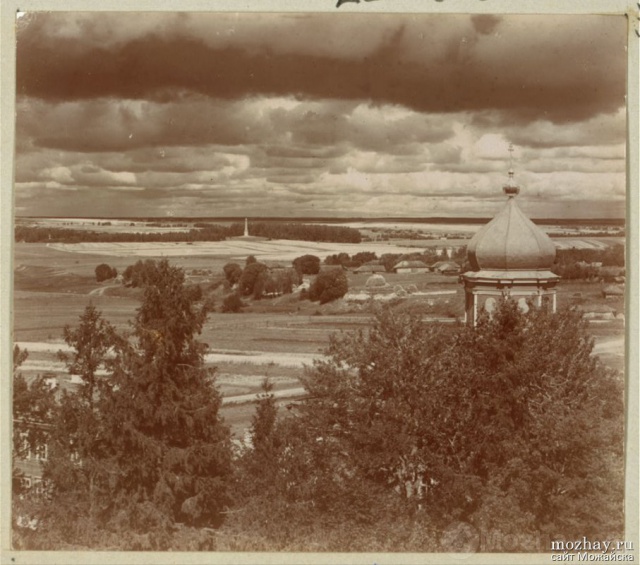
{"x": 35, "y": 234}
{"x": 581, "y": 264}
{"x": 428, "y": 256}
{"x": 202, "y": 231}
{"x": 299, "y": 231}
{"x": 512, "y": 427}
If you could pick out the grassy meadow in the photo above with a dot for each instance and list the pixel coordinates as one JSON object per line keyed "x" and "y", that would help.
{"x": 273, "y": 337}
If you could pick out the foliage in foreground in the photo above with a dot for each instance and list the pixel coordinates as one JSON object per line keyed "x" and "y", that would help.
{"x": 514, "y": 429}
{"x": 139, "y": 449}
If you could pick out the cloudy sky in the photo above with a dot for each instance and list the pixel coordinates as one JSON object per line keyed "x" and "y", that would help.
{"x": 335, "y": 114}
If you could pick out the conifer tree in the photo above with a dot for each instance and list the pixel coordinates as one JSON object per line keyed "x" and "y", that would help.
{"x": 170, "y": 446}
{"x": 139, "y": 448}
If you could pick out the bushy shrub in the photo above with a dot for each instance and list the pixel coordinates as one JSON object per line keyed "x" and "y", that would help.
{"x": 232, "y": 272}
{"x": 232, "y": 303}
{"x": 329, "y": 286}
{"x": 307, "y": 264}
{"x": 104, "y": 272}
{"x": 454, "y": 421}
{"x": 140, "y": 274}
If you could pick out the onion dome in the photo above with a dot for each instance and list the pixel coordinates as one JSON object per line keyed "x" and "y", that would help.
{"x": 511, "y": 241}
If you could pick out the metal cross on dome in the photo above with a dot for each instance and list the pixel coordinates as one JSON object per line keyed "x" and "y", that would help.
{"x": 511, "y": 189}
{"x": 511, "y": 161}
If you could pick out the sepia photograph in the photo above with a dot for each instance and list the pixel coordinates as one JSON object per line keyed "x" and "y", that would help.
{"x": 349, "y": 281}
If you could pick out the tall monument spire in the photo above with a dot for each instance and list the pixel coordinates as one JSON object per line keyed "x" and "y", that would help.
{"x": 246, "y": 227}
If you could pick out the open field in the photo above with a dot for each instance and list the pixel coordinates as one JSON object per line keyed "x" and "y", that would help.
{"x": 233, "y": 249}
{"x": 274, "y": 337}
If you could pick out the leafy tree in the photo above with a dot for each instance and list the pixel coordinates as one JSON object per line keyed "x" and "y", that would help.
{"x": 104, "y": 272}
{"x": 262, "y": 284}
{"x": 232, "y": 303}
{"x": 19, "y": 357}
{"x": 34, "y": 407}
{"x": 264, "y": 420}
{"x": 513, "y": 427}
{"x": 307, "y": 264}
{"x": 390, "y": 260}
{"x": 251, "y": 274}
{"x": 338, "y": 259}
{"x": 76, "y": 470}
{"x": 362, "y": 258}
{"x": 232, "y": 272}
{"x": 329, "y": 286}
{"x": 613, "y": 256}
{"x": 139, "y": 274}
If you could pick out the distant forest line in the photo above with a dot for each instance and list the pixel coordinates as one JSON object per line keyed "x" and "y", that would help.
{"x": 201, "y": 231}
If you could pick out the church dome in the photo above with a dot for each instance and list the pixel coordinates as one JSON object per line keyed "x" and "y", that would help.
{"x": 511, "y": 241}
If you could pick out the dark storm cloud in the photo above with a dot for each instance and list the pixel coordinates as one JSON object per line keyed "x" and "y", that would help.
{"x": 427, "y": 63}
{"x": 381, "y": 114}
{"x": 122, "y": 125}
{"x": 150, "y": 132}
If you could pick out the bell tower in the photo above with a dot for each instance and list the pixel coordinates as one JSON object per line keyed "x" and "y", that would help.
{"x": 509, "y": 256}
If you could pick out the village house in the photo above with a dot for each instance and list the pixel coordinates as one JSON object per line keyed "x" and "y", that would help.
{"x": 410, "y": 267}
{"x": 446, "y": 268}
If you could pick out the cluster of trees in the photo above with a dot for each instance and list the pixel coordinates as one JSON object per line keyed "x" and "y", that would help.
{"x": 300, "y": 231}
{"x": 513, "y": 427}
{"x": 386, "y": 234}
{"x": 104, "y": 272}
{"x": 389, "y": 260}
{"x": 579, "y": 263}
{"x": 145, "y": 273}
{"x": 138, "y": 452}
{"x": 257, "y": 280}
{"x": 140, "y": 273}
{"x": 34, "y": 234}
{"x": 349, "y": 262}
